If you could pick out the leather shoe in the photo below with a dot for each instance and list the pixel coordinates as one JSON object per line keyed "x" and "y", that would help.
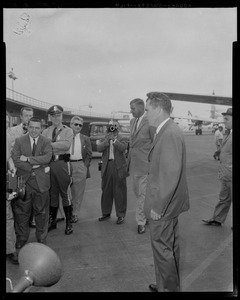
{"x": 103, "y": 218}
{"x": 74, "y": 219}
{"x": 20, "y": 244}
{"x": 153, "y": 287}
{"x": 120, "y": 220}
{"x": 13, "y": 258}
{"x": 212, "y": 222}
{"x": 68, "y": 229}
{"x": 141, "y": 229}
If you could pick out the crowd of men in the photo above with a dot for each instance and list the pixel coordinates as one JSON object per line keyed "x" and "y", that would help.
{"x": 54, "y": 164}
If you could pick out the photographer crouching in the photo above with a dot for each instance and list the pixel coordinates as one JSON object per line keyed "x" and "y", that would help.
{"x": 114, "y": 173}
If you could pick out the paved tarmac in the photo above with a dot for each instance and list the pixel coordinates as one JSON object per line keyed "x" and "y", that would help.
{"x": 106, "y": 257}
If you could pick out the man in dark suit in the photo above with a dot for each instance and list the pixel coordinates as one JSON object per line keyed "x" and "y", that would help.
{"x": 31, "y": 155}
{"x": 167, "y": 192}
{"x": 139, "y": 146}
{"x": 80, "y": 159}
{"x": 114, "y": 173}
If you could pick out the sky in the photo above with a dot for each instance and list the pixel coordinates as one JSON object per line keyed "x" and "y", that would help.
{"x": 108, "y": 56}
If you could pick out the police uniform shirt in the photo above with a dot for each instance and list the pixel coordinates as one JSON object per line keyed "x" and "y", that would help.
{"x": 63, "y": 141}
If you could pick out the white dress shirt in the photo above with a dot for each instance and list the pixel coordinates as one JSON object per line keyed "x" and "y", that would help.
{"x": 77, "y": 151}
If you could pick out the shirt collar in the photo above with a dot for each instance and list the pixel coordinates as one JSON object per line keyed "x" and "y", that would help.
{"x": 161, "y": 125}
{"x": 31, "y": 139}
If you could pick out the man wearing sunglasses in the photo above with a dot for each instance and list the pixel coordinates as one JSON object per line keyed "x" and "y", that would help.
{"x": 61, "y": 137}
{"x": 80, "y": 159}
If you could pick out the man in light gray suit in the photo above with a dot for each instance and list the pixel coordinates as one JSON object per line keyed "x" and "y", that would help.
{"x": 139, "y": 146}
{"x": 26, "y": 114}
{"x": 167, "y": 192}
{"x": 224, "y": 175}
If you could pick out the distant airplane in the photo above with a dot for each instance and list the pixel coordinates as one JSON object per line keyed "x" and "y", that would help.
{"x": 190, "y": 121}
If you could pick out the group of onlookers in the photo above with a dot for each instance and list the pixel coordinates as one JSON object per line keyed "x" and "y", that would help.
{"x": 54, "y": 164}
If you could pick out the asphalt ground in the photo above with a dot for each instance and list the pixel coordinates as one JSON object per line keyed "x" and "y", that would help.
{"x": 106, "y": 257}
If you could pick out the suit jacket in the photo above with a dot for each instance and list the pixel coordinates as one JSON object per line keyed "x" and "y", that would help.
{"x": 167, "y": 190}
{"x": 119, "y": 148}
{"x": 225, "y": 167}
{"x": 42, "y": 157}
{"x": 14, "y": 132}
{"x": 86, "y": 149}
{"x": 139, "y": 146}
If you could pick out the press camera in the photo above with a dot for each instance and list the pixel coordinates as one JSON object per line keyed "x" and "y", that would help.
{"x": 112, "y": 128}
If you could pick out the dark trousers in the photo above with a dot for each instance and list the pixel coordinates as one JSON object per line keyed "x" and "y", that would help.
{"x": 113, "y": 188}
{"x": 165, "y": 246}
{"x": 37, "y": 202}
{"x": 60, "y": 183}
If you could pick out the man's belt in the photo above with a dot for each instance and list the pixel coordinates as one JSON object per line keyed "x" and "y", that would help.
{"x": 65, "y": 157}
{"x": 73, "y": 160}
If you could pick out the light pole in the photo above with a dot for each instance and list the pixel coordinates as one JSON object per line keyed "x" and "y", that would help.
{"x": 12, "y": 76}
{"x": 90, "y": 107}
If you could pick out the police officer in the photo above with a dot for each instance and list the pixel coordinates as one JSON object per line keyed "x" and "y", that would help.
{"x": 61, "y": 136}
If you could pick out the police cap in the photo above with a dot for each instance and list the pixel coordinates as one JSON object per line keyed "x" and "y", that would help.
{"x": 228, "y": 112}
{"x": 55, "y": 109}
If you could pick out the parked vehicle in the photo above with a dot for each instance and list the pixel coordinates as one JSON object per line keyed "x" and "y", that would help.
{"x": 97, "y": 131}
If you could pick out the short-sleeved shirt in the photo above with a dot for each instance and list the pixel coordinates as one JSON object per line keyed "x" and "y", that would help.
{"x": 63, "y": 141}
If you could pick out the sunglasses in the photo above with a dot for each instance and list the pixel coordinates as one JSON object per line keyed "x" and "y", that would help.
{"x": 76, "y": 124}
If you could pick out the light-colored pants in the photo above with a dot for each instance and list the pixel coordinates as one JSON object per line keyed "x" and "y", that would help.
{"x": 225, "y": 200}
{"x": 10, "y": 230}
{"x": 139, "y": 188}
{"x": 79, "y": 174}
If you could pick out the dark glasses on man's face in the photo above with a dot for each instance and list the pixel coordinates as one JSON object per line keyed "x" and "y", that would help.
{"x": 76, "y": 124}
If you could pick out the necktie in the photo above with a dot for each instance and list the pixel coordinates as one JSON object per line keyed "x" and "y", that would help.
{"x": 34, "y": 148}
{"x": 54, "y": 134}
{"x": 135, "y": 126}
{"x": 73, "y": 144}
